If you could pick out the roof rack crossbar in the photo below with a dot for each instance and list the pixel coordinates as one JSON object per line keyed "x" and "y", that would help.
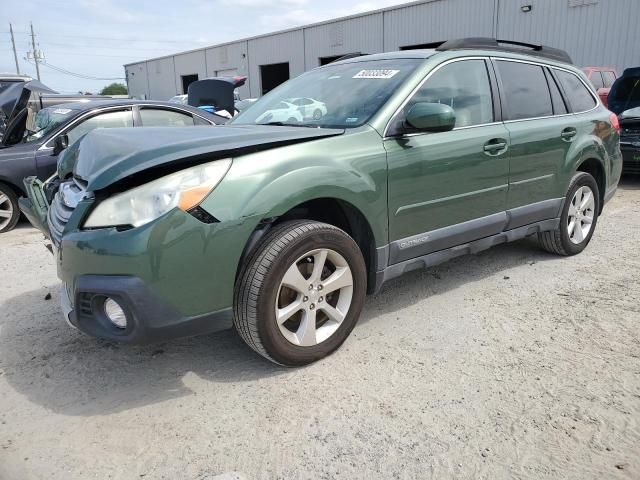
{"x": 507, "y": 46}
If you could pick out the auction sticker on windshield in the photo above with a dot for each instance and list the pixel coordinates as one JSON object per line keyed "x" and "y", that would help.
{"x": 383, "y": 74}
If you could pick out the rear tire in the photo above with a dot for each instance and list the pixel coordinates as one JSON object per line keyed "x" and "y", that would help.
{"x": 9, "y": 211}
{"x": 300, "y": 293}
{"x": 577, "y": 220}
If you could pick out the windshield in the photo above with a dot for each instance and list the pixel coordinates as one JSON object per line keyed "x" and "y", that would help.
{"x": 335, "y": 96}
{"x": 41, "y": 123}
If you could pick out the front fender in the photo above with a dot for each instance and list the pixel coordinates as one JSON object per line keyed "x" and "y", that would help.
{"x": 351, "y": 168}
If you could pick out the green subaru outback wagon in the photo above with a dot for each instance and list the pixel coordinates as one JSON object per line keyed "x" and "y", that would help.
{"x": 335, "y": 182}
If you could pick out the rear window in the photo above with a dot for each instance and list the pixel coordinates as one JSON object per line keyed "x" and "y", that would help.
{"x": 526, "y": 91}
{"x": 579, "y": 96}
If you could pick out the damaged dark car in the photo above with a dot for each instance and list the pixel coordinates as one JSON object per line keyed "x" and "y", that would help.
{"x": 624, "y": 100}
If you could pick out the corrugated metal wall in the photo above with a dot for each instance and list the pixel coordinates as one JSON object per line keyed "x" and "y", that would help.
{"x": 360, "y": 34}
{"x": 189, "y": 64}
{"x": 160, "y": 73}
{"x": 229, "y": 59}
{"x": 438, "y": 20}
{"x": 594, "y": 32}
{"x": 137, "y": 80}
{"x": 278, "y": 48}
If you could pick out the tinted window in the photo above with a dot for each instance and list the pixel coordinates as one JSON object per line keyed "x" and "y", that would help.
{"x": 609, "y": 78}
{"x": 152, "y": 117}
{"x": 596, "y": 80}
{"x": 464, "y": 86}
{"x": 121, "y": 118}
{"x": 559, "y": 106}
{"x": 526, "y": 92}
{"x": 580, "y": 99}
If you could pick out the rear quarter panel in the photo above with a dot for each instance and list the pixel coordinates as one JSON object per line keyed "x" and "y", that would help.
{"x": 596, "y": 139}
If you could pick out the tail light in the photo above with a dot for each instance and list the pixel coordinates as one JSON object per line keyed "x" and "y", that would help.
{"x": 615, "y": 123}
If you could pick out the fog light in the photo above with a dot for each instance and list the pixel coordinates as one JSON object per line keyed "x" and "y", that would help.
{"x": 115, "y": 313}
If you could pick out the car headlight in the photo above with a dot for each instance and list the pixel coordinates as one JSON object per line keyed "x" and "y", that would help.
{"x": 184, "y": 190}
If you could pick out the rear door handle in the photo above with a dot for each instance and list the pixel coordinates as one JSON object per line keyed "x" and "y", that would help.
{"x": 495, "y": 146}
{"x": 568, "y": 133}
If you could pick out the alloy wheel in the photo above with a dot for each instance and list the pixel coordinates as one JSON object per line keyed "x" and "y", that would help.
{"x": 581, "y": 214}
{"x": 6, "y": 210}
{"x": 314, "y": 297}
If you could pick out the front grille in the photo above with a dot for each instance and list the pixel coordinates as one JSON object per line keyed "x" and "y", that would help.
{"x": 64, "y": 203}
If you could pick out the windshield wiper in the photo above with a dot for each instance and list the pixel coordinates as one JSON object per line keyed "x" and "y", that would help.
{"x": 284, "y": 124}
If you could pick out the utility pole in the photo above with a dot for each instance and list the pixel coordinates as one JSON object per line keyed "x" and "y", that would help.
{"x": 15, "y": 54}
{"x": 35, "y": 52}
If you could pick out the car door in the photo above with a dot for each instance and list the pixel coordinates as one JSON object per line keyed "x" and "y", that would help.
{"x": 540, "y": 135}
{"x": 448, "y": 188}
{"x": 47, "y": 159}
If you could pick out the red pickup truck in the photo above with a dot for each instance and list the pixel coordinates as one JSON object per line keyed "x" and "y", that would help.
{"x": 602, "y": 78}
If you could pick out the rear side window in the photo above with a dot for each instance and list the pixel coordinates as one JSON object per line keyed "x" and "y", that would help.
{"x": 579, "y": 96}
{"x": 153, "y": 117}
{"x": 526, "y": 93}
{"x": 609, "y": 78}
{"x": 596, "y": 79}
{"x": 559, "y": 107}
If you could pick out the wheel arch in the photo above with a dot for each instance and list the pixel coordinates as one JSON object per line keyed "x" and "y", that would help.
{"x": 17, "y": 189}
{"x": 594, "y": 167}
{"x": 331, "y": 210}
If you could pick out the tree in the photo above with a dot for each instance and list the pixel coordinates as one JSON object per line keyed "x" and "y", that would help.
{"x": 114, "y": 89}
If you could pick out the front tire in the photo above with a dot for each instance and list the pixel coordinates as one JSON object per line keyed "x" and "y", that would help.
{"x": 577, "y": 220}
{"x": 301, "y": 292}
{"x": 9, "y": 211}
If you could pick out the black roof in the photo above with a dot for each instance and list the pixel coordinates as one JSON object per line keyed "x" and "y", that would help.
{"x": 117, "y": 102}
{"x": 90, "y": 104}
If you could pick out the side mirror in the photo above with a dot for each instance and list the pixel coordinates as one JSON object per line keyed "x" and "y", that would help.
{"x": 431, "y": 117}
{"x": 60, "y": 143}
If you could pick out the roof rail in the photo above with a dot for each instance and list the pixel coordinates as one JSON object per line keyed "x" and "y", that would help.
{"x": 348, "y": 56}
{"x": 483, "y": 43}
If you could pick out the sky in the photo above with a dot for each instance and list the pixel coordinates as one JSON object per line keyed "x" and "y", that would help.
{"x": 95, "y": 38}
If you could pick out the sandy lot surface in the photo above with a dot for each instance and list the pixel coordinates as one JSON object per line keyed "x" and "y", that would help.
{"x": 508, "y": 364}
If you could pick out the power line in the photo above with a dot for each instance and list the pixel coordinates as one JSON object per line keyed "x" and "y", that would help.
{"x": 115, "y": 39}
{"x": 74, "y": 74}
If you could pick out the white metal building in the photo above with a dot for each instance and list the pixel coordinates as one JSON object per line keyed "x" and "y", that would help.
{"x": 594, "y": 32}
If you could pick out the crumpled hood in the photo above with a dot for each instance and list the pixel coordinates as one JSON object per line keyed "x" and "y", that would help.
{"x": 14, "y": 95}
{"x": 108, "y": 155}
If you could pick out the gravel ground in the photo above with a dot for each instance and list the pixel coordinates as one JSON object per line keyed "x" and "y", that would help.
{"x": 508, "y": 364}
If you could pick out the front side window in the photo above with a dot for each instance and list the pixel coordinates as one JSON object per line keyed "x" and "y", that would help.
{"x": 526, "y": 92}
{"x": 120, "y": 118}
{"x": 465, "y": 87}
{"x": 155, "y": 117}
{"x": 580, "y": 99}
{"x": 346, "y": 95}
